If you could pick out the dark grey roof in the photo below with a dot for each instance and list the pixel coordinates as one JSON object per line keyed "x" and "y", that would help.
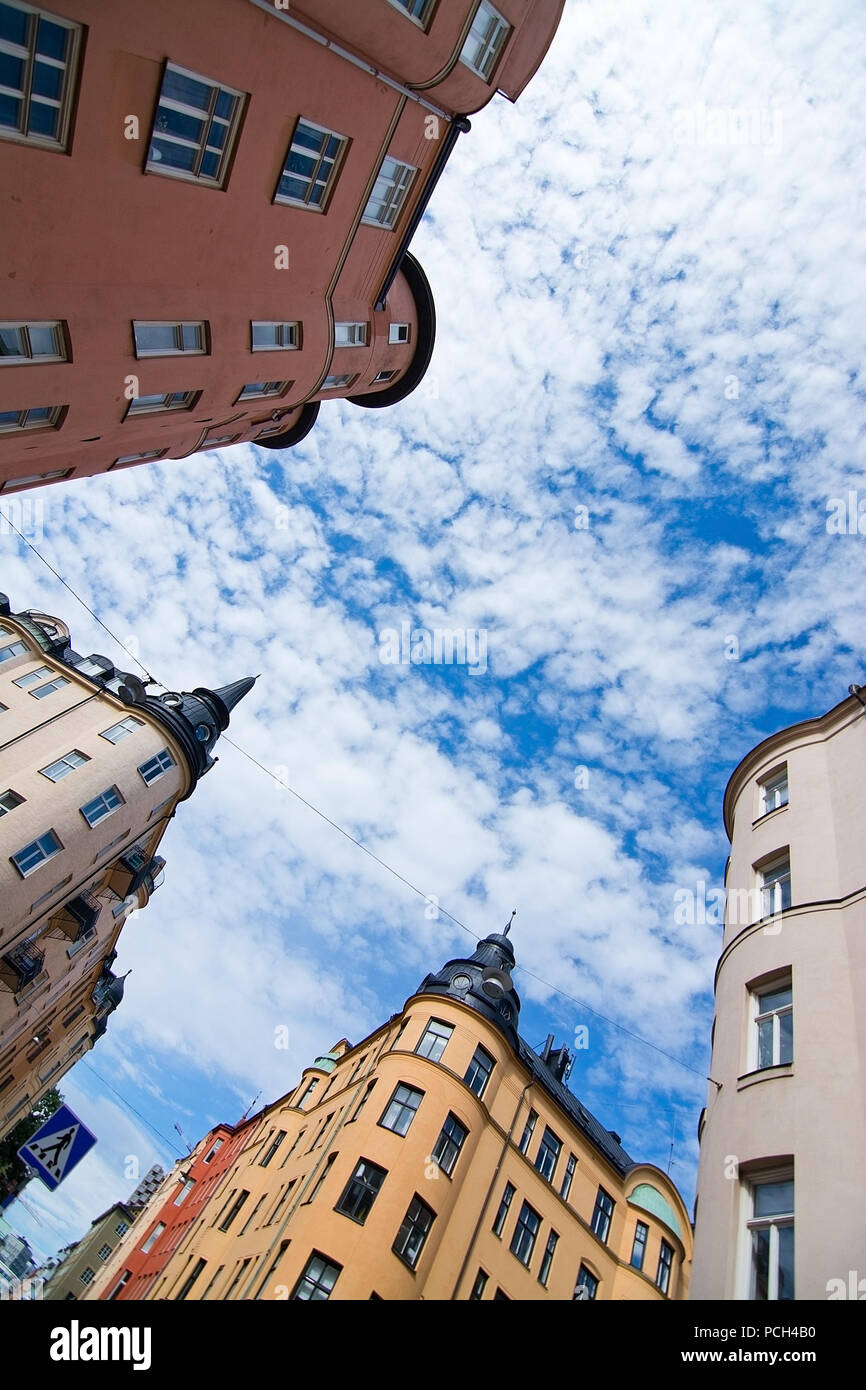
{"x": 600, "y": 1137}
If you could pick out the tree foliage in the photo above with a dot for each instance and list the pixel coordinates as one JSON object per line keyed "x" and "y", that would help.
{"x": 14, "y": 1173}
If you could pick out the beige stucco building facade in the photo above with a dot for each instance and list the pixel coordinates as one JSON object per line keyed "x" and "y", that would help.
{"x": 92, "y": 768}
{"x": 781, "y": 1207}
{"x": 439, "y": 1158}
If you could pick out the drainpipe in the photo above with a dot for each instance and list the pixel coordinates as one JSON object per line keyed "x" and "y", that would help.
{"x": 459, "y": 126}
{"x": 335, "y": 48}
{"x": 482, "y": 1213}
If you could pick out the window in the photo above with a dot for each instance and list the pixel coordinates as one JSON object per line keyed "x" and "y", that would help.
{"x": 122, "y": 729}
{"x": 284, "y": 1245}
{"x": 31, "y": 342}
{"x": 156, "y": 767}
{"x": 272, "y": 1148}
{"x": 121, "y": 1284}
{"x": 213, "y": 1280}
{"x": 104, "y": 1251}
{"x": 601, "y": 1216}
{"x": 398, "y": 333}
{"x": 774, "y": 1023}
{"x": 213, "y": 1151}
{"x": 416, "y": 9}
{"x": 434, "y": 1039}
{"x": 400, "y": 1110}
{"x": 38, "y": 60}
{"x": 350, "y": 334}
{"x": 771, "y": 1236}
{"x": 62, "y": 768}
{"x": 381, "y": 377}
{"x": 321, "y": 1178}
{"x": 233, "y": 1209}
{"x": 8, "y": 801}
{"x": 775, "y": 884}
{"x": 318, "y": 1279}
{"x": 281, "y": 1202}
{"x": 49, "y": 689}
{"x": 362, "y": 1102}
{"x": 638, "y": 1249}
{"x": 195, "y": 128}
{"x": 525, "y": 1232}
{"x": 499, "y": 1219}
{"x": 187, "y": 1284}
{"x": 448, "y": 1145}
{"x": 102, "y": 806}
{"x": 587, "y": 1284}
{"x": 127, "y": 460}
{"x": 547, "y": 1258}
{"x": 478, "y": 1071}
{"x": 502, "y": 1295}
{"x": 311, "y": 167}
{"x": 548, "y": 1154}
{"x": 526, "y": 1136}
{"x": 389, "y": 193}
{"x": 252, "y": 1216}
{"x": 666, "y": 1264}
{"x": 33, "y": 677}
{"x": 361, "y": 1191}
{"x": 336, "y": 380}
{"x": 413, "y": 1232}
{"x": 485, "y": 41}
{"x": 121, "y": 1228}
{"x": 184, "y": 1191}
{"x": 272, "y": 337}
{"x": 309, "y": 1090}
{"x": 567, "y": 1177}
{"x": 256, "y": 389}
{"x": 38, "y": 852}
{"x": 13, "y": 649}
{"x": 774, "y": 791}
{"x": 153, "y": 1237}
{"x": 169, "y": 339}
{"x": 37, "y": 417}
{"x": 86, "y": 1275}
{"x": 479, "y": 1286}
{"x": 167, "y": 400}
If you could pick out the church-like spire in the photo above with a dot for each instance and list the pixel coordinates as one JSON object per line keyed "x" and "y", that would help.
{"x": 483, "y": 982}
{"x": 198, "y": 718}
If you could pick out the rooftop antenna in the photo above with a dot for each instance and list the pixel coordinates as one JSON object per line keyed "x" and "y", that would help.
{"x": 510, "y": 920}
{"x": 183, "y": 1137}
{"x": 250, "y": 1106}
{"x": 673, "y": 1134}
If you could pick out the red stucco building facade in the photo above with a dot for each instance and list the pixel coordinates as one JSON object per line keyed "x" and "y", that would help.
{"x": 208, "y": 210}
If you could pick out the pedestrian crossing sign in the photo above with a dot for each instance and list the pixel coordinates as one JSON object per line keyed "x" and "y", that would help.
{"x": 57, "y": 1146}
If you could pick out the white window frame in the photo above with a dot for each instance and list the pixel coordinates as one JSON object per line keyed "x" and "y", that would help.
{"x": 111, "y": 800}
{"x": 287, "y": 336}
{"x": 200, "y": 331}
{"x": 389, "y": 193}
{"x": 163, "y": 767}
{"x": 127, "y": 460}
{"x": 69, "y": 65}
{"x": 270, "y": 388}
{"x": 27, "y": 421}
{"x": 382, "y": 377}
{"x": 33, "y": 677}
{"x": 24, "y": 328}
{"x": 208, "y": 117}
{"x": 399, "y": 333}
{"x": 52, "y": 686}
{"x": 329, "y": 184}
{"x": 153, "y": 1237}
{"x": 760, "y": 1016}
{"x": 339, "y": 381}
{"x": 422, "y": 19}
{"x": 350, "y": 335}
{"x": 14, "y": 650}
{"x": 751, "y": 1223}
{"x": 158, "y": 402}
{"x": 37, "y": 844}
{"x": 13, "y": 806}
{"x": 61, "y": 767}
{"x": 774, "y": 877}
{"x": 773, "y": 791}
{"x": 488, "y": 36}
{"x": 124, "y": 725}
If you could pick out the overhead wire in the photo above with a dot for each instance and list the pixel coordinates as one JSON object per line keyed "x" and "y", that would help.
{"x": 556, "y": 989}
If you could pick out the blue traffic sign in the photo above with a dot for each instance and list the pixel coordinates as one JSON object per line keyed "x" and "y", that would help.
{"x": 57, "y": 1147}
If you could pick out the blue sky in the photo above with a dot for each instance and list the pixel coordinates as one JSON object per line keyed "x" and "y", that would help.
{"x": 664, "y": 333}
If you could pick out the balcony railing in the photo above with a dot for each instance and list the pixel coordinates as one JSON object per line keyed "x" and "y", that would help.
{"x": 21, "y": 966}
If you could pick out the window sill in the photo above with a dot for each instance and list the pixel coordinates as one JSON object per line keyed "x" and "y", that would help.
{"x": 768, "y": 815}
{"x": 751, "y": 1078}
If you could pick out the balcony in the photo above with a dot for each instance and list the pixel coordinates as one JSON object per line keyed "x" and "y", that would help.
{"x": 78, "y": 918}
{"x": 133, "y": 871}
{"x": 21, "y": 967}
